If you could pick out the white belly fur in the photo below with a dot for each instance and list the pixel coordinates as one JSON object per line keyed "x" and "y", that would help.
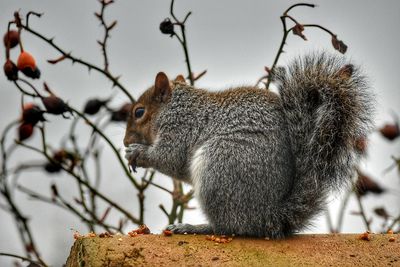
{"x": 197, "y": 166}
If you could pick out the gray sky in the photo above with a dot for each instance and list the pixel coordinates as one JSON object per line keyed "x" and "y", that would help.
{"x": 233, "y": 40}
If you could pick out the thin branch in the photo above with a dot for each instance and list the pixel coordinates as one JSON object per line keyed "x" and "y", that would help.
{"x": 342, "y": 211}
{"x": 159, "y": 186}
{"x": 97, "y": 130}
{"x": 183, "y": 41}
{"x": 98, "y": 193}
{"x": 395, "y": 221}
{"x": 108, "y": 141}
{"x": 329, "y": 222}
{"x": 69, "y": 56}
{"x": 362, "y": 213}
{"x": 107, "y": 29}
{"x": 23, "y": 90}
{"x": 296, "y": 5}
{"x": 318, "y": 26}
{"x": 21, "y": 258}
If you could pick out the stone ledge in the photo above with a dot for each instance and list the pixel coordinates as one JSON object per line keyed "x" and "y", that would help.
{"x": 195, "y": 250}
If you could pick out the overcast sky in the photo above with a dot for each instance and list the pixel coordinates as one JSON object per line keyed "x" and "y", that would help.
{"x": 233, "y": 40}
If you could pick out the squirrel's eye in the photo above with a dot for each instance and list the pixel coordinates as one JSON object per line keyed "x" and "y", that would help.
{"x": 139, "y": 112}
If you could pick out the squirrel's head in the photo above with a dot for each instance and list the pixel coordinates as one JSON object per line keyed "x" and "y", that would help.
{"x": 140, "y": 128}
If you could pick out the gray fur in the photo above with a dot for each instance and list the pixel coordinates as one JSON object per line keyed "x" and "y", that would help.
{"x": 267, "y": 161}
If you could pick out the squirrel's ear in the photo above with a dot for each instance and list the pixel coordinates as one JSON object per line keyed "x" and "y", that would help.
{"x": 180, "y": 79}
{"x": 162, "y": 88}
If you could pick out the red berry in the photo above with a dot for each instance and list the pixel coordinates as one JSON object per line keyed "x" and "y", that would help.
{"x": 27, "y": 64}
{"x": 26, "y": 60}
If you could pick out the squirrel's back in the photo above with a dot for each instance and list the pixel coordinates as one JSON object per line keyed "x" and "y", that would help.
{"x": 240, "y": 109}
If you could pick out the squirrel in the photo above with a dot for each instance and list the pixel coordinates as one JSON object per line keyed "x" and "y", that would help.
{"x": 261, "y": 163}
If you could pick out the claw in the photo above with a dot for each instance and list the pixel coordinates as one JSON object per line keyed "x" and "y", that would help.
{"x": 131, "y": 154}
{"x": 133, "y": 166}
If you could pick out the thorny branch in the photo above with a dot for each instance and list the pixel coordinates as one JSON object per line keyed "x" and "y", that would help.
{"x": 107, "y": 29}
{"x": 68, "y": 55}
{"x": 297, "y": 30}
{"x": 182, "y": 39}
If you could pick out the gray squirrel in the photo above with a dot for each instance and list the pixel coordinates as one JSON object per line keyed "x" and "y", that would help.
{"x": 261, "y": 164}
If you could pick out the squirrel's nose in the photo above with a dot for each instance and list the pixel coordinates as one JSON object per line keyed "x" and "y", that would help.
{"x": 126, "y": 142}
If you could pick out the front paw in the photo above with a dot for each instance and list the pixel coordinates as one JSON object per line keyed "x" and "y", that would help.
{"x": 134, "y": 154}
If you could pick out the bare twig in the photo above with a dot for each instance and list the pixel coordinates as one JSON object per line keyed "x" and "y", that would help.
{"x": 107, "y": 29}
{"x": 362, "y": 213}
{"x": 22, "y": 258}
{"x": 98, "y": 193}
{"x": 68, "y": 55}
{"x": 182, "y": 40}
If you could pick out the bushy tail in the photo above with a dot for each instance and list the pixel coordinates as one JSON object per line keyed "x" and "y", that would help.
{"x": 328, "y": 107}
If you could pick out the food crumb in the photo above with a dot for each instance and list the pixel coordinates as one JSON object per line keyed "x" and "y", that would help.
{"x": 167, "y": 232}
{"x": 219, "y": 240}
{"x": 105, "y": 234}
{"x": 142, "y": 230}
{"x": 91, "y": 234}
{"x": 77, "y": 235}
{"x": 365, "y": 236}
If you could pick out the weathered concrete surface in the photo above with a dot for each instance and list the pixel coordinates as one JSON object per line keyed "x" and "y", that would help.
{"x": 195, "y": 250}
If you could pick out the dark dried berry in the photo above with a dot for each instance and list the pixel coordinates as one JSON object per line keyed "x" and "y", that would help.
{"x": 25, "y": 131}
{"x": 51, "y": 167}
{"x": 381, "y": 212}
{"x": 298, "y": 30}
{"x": 32, "y": 114}
{"x": 122, "y": 113}
{"x": 11, "y": 70}
{"x": 60, "y": 155}
{"x": 339, "y": 45}
{"x": 55, "y": 105}
{"x": 390, "y": 131}
{"x": 167, "y": 27}
{"x": 11, "y": 39}
{"x": 93, "y": 106}
{"x": 34, "y": 74}
{"x": 365, "y": 185}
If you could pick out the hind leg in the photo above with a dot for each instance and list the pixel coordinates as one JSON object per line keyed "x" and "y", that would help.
{"x": 184, "y": 228}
